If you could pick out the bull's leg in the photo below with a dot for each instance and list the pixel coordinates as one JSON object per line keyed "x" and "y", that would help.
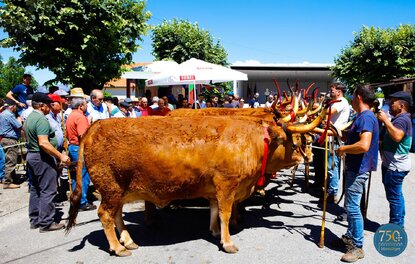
{"x": 150, "y": 214}
{"x": 106, "y": 213}
{"x": 214, "y": 215}
{"x": 125, "y": 238}
{"x": 225, "y": 202}
{"x": 293, "y": 171}
{"x": 307, "y": 174}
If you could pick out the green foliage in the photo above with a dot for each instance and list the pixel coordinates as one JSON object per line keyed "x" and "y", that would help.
{"x": 11, "y": 74}
{"x": 83, "y": 43}
{"x": 181, "y": 40}
{"x": 377, "y": 55}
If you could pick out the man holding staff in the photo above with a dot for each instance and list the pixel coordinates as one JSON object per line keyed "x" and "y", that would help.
{"x": 361, "y": 151}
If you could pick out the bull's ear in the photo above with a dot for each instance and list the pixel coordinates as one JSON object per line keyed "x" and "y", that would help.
{"x": 277, "y": 134}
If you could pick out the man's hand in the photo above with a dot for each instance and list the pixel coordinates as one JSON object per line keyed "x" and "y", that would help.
{"x": 382, "y": 116}
{"x": 65, "y": 159}
{"x": 22, "y": 105}
{"x": 340, "y": 151}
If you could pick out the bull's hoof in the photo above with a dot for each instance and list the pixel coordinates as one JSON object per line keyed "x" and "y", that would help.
{"x": 122, "y": 252}
{"x": 131, "y": 246}
{"x": 261, "y": 192}
{"x": 230, "y": 248}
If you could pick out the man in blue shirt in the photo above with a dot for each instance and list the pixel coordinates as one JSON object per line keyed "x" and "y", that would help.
{"x": 361, "y": 151}
{"x": 10, "y": 133}
{"x": 396, "y": 162}
{"x": 21, "y": 91}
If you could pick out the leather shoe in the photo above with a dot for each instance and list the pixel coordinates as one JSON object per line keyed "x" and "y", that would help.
{"x": 88, "y": 207}
{"x": 10, "y": 186}
{"x": 52, "y": 227}
{"x": 33, "y": 226}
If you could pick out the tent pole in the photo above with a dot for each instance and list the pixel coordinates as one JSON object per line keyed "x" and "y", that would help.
{"x": 195, "y": 97}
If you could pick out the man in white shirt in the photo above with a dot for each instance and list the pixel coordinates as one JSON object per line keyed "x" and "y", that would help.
{"x": 340, "y": 112}
{"x": 96, "y": 109}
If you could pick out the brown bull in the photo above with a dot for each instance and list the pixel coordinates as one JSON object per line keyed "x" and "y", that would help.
{"x": 301, "y": 141}
{"x": 216, "y": 158}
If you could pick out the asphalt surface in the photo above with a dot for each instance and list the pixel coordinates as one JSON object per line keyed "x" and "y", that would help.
{"x": 283, "y": 227}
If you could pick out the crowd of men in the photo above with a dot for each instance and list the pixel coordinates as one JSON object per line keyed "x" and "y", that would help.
{"x": 52, "y": 125}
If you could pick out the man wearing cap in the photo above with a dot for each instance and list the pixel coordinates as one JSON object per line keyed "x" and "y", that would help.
{"x": 55, "y": 119}
{"x": 41, "y": 163}
{"x": 10, "y": 132}
{"x": 395, "y": 147}
{"x": 254, "y": 103}
{"x": 96, "y": 109}
{"x": 124, "y": 110}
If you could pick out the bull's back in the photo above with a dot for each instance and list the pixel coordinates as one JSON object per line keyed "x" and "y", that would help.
{"x": 160, "y": 159}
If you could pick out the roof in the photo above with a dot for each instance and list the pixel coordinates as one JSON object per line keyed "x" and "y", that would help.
{"x": 123, "y": 82}
{"x": 305, "y": 71}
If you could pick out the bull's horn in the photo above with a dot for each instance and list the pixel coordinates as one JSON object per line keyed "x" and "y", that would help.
{"x": 288, "y": 117}
{"x": 313, "y": 112}
{"x": 308, "y": 127}
{"x": 308, "y": 111}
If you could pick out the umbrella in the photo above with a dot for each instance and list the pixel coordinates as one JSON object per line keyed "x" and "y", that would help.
{"x": 148, "y": 71}
{"x": 196, "y": 71}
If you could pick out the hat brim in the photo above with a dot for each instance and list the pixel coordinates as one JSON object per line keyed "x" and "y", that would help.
{"x": 78, "y": 96}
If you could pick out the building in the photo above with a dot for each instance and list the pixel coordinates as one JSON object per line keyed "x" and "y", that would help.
{"x": 261, "y": 78}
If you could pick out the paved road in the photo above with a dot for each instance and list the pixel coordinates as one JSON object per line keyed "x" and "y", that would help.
{"x": 285, "y": 230}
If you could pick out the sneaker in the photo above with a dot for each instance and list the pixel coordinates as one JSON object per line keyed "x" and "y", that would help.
{"x": 88, "y": 207}
{"x": 332, "y": 199}
{"x": 53, "y": 227}
{"x": 10, "y": 186}
{"x": 353, "y": 254}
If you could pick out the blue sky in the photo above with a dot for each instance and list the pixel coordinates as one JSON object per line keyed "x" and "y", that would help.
{"x": 274, "y": 31}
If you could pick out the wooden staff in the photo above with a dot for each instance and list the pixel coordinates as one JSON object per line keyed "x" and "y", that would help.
{"x": 367, "y": 196}
{"x": 323, "y": 221}
{"x": 65, "y": 146}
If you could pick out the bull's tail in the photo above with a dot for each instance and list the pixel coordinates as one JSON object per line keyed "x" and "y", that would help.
{"x": 75, "y": 199}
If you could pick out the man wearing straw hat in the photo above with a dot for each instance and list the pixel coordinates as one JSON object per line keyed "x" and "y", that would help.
{"x": 76, "y": 125}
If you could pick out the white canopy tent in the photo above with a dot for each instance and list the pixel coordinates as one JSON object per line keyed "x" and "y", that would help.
{"x": 194, "y": 72}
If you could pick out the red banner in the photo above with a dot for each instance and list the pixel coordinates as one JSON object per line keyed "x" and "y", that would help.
{"x": 187, "y": 77}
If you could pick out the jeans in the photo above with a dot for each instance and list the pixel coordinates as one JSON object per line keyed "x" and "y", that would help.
{"x": 333, "y": 172}
{"x": 392, "y": 181}
{"x": 73, "y": 155}
{"x": 2, "y": 163}
{"x": 355, "y": 184}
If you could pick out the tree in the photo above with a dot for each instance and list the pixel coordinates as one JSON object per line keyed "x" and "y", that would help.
{"x": 377, "y": 55}
{"x": 11, "y": 74}
{"x": 84, "y": 43}
{"x": 180, "y": 40}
